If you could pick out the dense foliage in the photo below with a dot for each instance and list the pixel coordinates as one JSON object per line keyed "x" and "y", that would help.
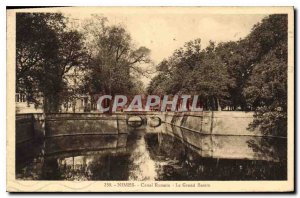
{"x": 45, "y": 51}
{"x": 249, "y": 74}
{"x": 115, "y": 61}
{"x": 49, "y": 51}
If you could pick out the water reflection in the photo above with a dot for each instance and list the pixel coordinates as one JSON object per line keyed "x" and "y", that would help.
{"x": 177, "y": 161}
{"x": 169, "y": 153}
{"x": 141, "y": 166}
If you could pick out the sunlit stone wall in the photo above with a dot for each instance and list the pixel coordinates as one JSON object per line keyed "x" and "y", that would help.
{"x": 224, "y": 135}
{"x": 217, "y": 122}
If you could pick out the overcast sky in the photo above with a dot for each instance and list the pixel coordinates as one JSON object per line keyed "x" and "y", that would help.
{"x": 164, "y": 32}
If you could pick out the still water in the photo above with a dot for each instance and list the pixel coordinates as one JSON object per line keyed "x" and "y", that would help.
{"x": 143, "y": 155}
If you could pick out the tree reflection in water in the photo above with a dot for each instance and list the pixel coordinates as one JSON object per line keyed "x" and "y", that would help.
{"x": 180, "y": 162}
{"x": 153, "y": 156}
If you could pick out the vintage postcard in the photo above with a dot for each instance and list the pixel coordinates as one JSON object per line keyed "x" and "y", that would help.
{"x": 150, "y": 99}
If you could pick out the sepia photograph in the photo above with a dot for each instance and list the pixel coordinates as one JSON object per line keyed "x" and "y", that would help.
{"x": 150, "y": 99}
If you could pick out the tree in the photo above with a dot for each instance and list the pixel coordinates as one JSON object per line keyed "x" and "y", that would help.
{"x": 266, "y": 89}
{"x": 249, "y": 74}
{"x": 210, "y": 79}
{"x": 191, "y": 70}
{"x": 34, "y": 37}
{"x": 234, "y": 58}
{"x": 45, "y": 51}
{"x": 114, "y": 59}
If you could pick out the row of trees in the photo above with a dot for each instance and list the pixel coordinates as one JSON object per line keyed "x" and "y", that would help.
{"x": 48, "y": 48}
{"x": 250, "y": 74}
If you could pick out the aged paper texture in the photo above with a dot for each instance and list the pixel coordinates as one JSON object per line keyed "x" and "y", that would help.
{"x": 150, "y": 99}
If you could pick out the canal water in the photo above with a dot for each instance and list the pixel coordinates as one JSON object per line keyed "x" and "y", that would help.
{"x": 143, "y": 155}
